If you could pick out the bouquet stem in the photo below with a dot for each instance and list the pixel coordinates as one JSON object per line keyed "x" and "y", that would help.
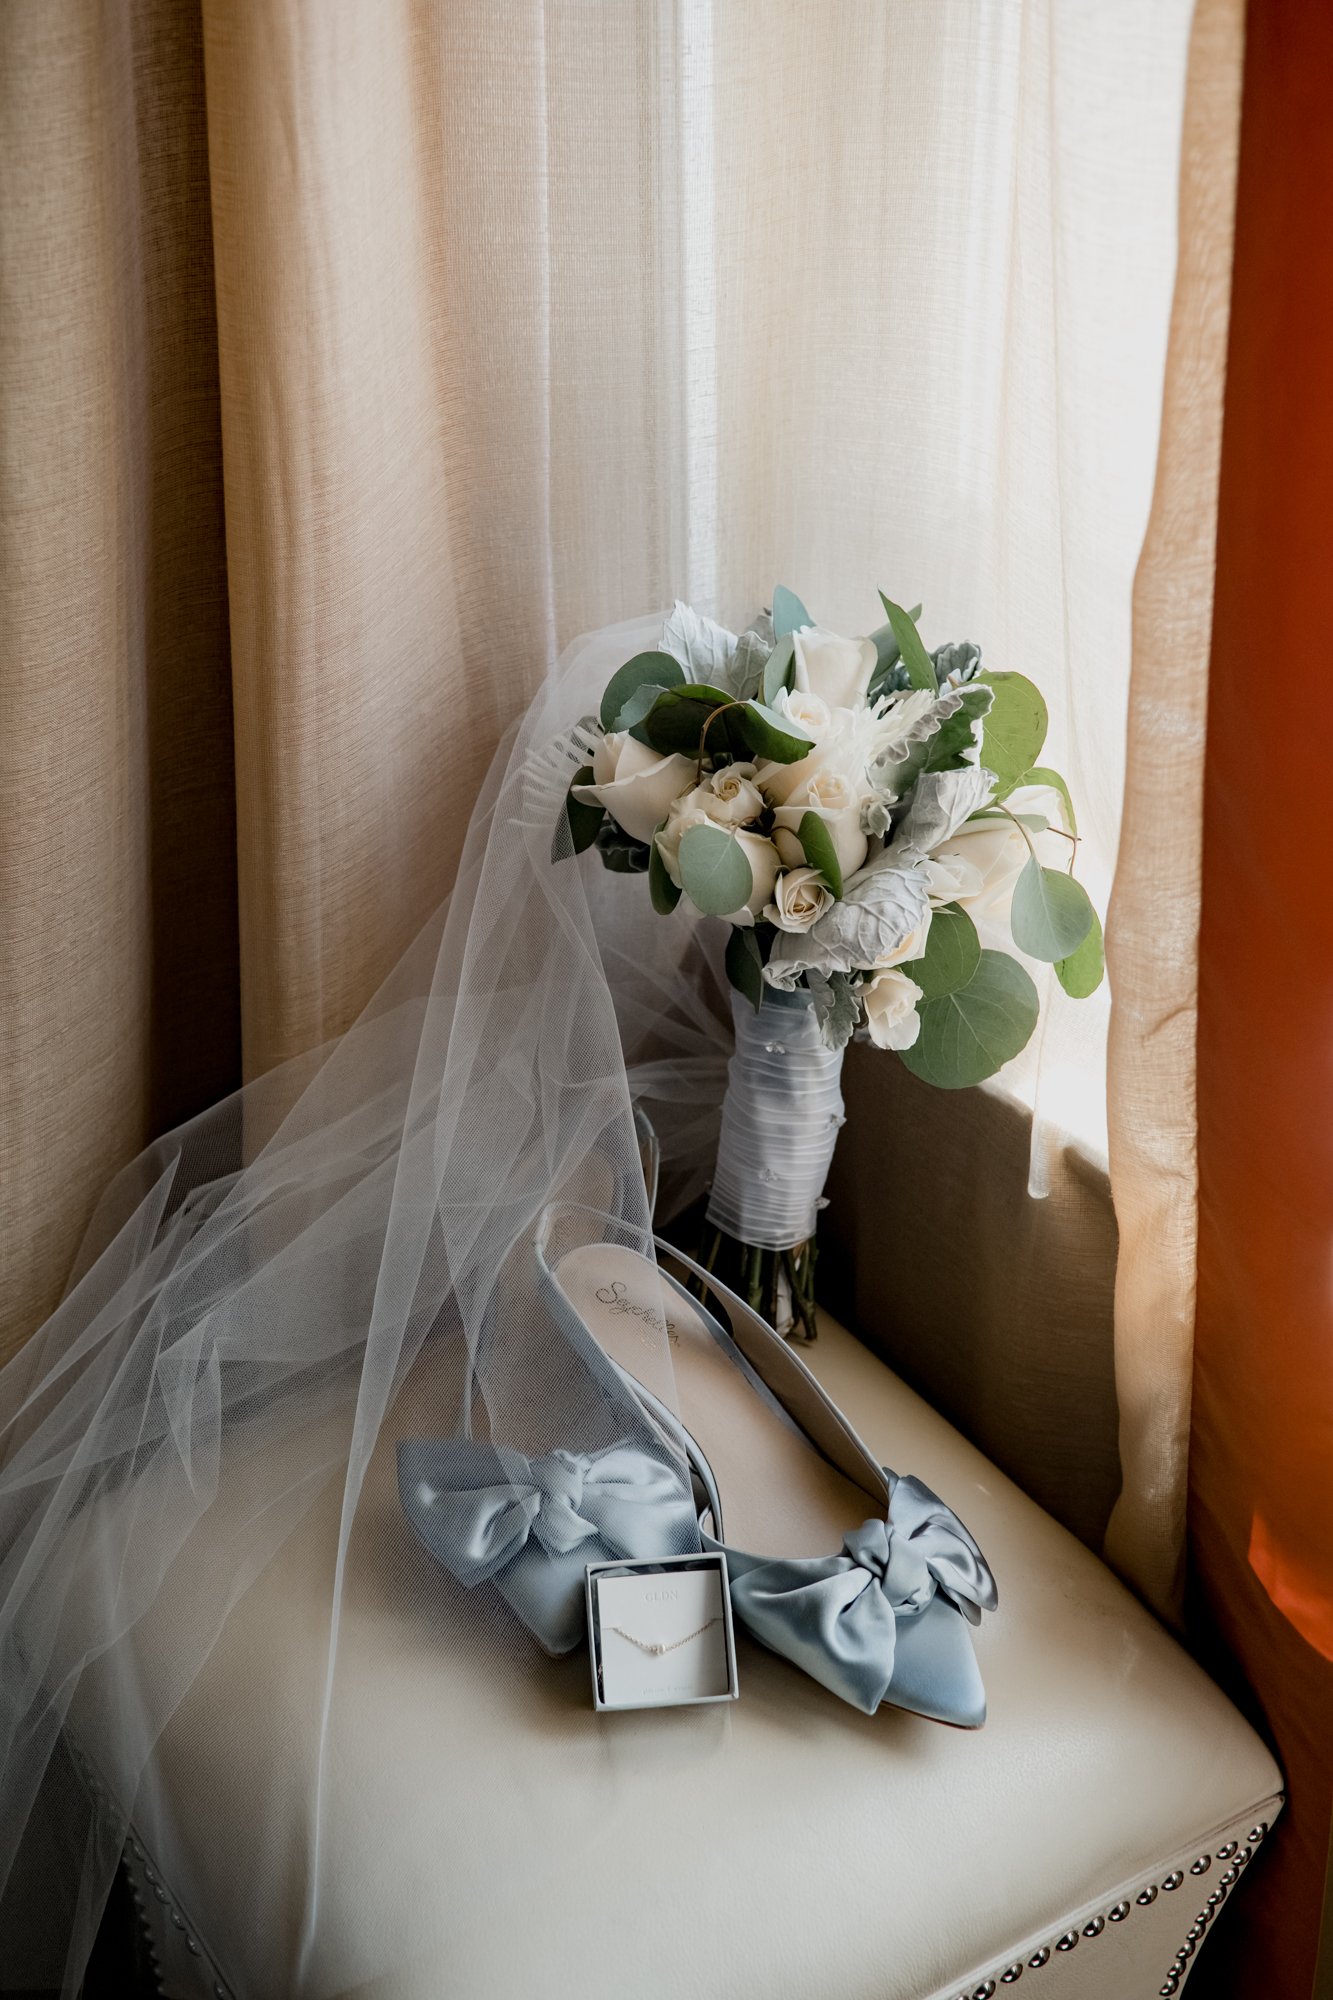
{"x": 780, "y": 1284}
{"x": 780, "y": 1122}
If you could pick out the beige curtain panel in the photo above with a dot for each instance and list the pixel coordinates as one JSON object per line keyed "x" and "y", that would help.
{"x": 355, "y": 357}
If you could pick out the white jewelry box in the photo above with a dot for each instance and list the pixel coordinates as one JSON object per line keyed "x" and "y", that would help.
{"x": 660, "y": 1633}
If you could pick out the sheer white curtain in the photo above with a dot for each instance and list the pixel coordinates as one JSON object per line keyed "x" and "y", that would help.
{"x": 877, "y": 295}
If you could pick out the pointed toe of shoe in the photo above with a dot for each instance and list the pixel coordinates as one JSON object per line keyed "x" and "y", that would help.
{"x": 935, "y": 1671}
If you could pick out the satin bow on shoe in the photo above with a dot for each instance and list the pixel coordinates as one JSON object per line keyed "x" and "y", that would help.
{"x": 533, "y": 1524}
{"x": 847, "y": 1619}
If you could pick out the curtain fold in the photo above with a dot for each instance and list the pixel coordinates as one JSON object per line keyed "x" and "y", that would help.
{"x": 118, "y": 980}
{"x": 1153, "y": 927}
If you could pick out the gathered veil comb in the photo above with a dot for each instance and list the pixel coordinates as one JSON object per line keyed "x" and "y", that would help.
{"x": 337, "y": 1256}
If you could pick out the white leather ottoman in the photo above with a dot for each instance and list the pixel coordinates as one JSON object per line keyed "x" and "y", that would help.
{"x": 486, "y": 1836}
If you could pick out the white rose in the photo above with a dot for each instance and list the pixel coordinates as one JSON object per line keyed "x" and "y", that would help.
{"x": 978, "y": 866}
{"x": 890, "y": 1003}
{"x": 731, "y": 796}
{"x": 844, "y": 741}
{"x": 912, "y": 946}
{"x": 800, "y": 899}
{"x": 764, "y": 865}
{"x": 636, "y": 784}
{"x": 832, "y": 795}
{"x": 805, "y": 712}
{"x": 692, "y": 810}
{"x": 685, "y": 812}
{"x": 837, "y": 670}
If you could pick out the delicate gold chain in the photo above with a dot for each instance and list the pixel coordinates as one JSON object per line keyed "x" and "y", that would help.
{"x": 664, "y": 1645}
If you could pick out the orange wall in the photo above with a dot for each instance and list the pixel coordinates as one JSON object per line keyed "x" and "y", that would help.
{"x": 1261, "y": 1471}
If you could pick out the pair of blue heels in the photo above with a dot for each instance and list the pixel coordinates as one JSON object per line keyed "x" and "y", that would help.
{"x": 884, "y": 1618}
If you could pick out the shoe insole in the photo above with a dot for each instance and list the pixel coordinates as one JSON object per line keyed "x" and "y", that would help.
{"x": 780, "y": 1497}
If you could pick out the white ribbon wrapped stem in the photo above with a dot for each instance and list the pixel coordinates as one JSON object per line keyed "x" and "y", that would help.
{"x": 780, "y": 1122}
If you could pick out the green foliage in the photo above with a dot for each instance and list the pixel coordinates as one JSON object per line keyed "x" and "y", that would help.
{"x": 745, "y": 964}
{"x": 951, "y": 957}
{"x": 916, "y": 660}
{"x": 971, "y": 1033}
{"x": 1082, "y": 972}
{"x": 1042, "y": 775}
{"x": 676, "y": 719}
{"x": 620, "y": 852}
{"x": 765, "y": 734}
{"x": 837, "y": 1007}
{"x": 889, "y": 671}
{"x": 1051, "y": 914}
{"x": 714, "y": 871}
{"x": 655, "y": 669}
{"x": 584, "y": 820}
{"x": 817, "y": 846}
{"x": 789, "y": 614}
{"x": 663, "y": 891}
{"x": 779, "y": 669}
{"x": 1015, "y": 728}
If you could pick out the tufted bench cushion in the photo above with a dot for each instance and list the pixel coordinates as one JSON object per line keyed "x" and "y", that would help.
{"x": 485, "y": 1834}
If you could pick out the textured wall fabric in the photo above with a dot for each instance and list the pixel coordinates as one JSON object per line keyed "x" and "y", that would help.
{"x": 1152, "y": 935}
{"x": 511, "y": 322}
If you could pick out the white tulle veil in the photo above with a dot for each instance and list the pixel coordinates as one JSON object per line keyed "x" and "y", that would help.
{"x": 272, "y": 1294}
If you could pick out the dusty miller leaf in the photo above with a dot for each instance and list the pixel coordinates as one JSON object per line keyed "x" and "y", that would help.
{"x": 837, "y": 1007}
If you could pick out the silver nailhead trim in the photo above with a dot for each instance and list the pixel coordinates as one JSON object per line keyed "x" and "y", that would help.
{"x": 1146, "y": 1896}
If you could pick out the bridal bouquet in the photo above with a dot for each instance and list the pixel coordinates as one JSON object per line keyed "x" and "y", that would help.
{"x": 871, "y": 820}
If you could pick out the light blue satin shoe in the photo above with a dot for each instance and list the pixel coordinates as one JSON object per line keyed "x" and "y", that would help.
{"x": 866, "y": 1581}
{"x": 531, "y": 1526}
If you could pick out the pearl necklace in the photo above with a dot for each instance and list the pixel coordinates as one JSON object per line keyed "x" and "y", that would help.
{"x": 657, "y": 1646}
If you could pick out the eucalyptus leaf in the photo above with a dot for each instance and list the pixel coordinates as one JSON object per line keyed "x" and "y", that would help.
{"x": 1082, "y": 972}
{"x": 779, "y": 669}
{"x": 1050, "y": 915}
{"x": 765, "y": 734}
{"x": 917, "y": 661}
{"x": 639, "y": 705}
{"x": 663, "y": 891}
{"x": 675, "y": 722}
{"x": 1041, "y": 775}
{"x": 745, "y": 966}
{"x": 888, "y": 657}
{"x": 951, "y": 957}
{"x": 817, "y": 846}
{"x": 714, "y": 871}
{"x": 658, "y": 668}
{"x": 1015, "y": 728}
{"x": 746, "y": 678}
{"x": 971, "y": 1033}
{"x": 789, "y": 614}
{"x": 583, "y": 819}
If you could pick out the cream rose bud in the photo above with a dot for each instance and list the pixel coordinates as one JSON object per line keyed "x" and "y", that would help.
{"x": 799, "y": 900}
{"x": 731, "y": 796}
{"x": 837, "y": 670}
{"x": 890, "y": 1002}
{"x": 635, "y": 783}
